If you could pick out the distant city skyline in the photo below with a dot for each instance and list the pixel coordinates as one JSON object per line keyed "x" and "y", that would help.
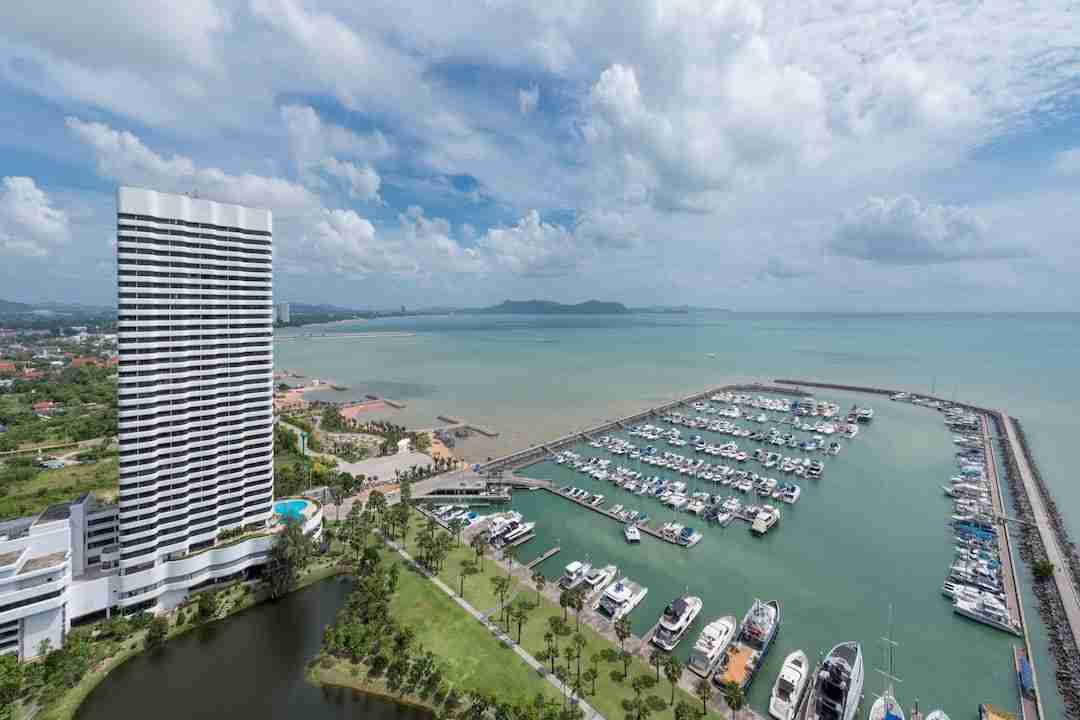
{"x": 751, "y": 155}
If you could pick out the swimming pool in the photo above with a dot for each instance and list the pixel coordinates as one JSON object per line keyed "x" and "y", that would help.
{"x": 290, "y": 509}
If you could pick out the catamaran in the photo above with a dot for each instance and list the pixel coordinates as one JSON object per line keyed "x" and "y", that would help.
{"x": 620, "y": 598}
{"x": 837, "y": 685}
{"x": 675, "y": 621}
{"x": 745, "y": 656}
{"x": 789, "y": 687}
{"x": 711, "y": 645}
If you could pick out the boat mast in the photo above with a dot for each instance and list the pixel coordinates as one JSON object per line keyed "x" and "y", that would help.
{"x": 887, "y": 693}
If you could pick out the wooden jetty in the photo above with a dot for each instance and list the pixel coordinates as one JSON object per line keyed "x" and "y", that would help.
{"x": 1025, "y": 679}
{"x": 612, "y": 516}
{"x": 549, "y": 553}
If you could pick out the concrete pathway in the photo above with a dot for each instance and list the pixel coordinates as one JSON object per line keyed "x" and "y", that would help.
{"x": 590, "y": 713}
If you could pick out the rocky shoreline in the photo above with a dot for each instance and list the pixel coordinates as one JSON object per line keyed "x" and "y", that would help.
{"x": 1061, "y": 644}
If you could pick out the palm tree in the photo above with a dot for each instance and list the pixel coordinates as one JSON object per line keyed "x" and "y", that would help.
{"x": 564, "y": 602}
{"x": 703, "y": 689}
{"x": 552, "y": 647}
{"x": 539, "y": 581}
{"x": 657, "y": 658}
{"x": 456, "y": 526}
{"x": 520, "y": 613}
{"x": 622, "y": 629}
{"x": 734, "y": 697}
{"x": 672, "y": 671}
{"x": 510, "y": 555}
{"x": 468, "y": 567}
{"x": 577, "y": 601}
{"x": 501, "y": 586}
{"x": 480, "y": 547}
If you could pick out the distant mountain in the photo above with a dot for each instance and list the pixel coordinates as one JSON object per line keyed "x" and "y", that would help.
{"x": 8, "y": 307}
{"x": 548, "y": 307}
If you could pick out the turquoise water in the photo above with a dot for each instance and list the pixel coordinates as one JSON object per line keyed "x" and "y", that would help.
{"x": 878, "y": 512}
{"x": 290, "y": 509}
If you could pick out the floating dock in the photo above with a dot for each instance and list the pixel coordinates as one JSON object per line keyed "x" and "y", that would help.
{"x": 549, "y": 553}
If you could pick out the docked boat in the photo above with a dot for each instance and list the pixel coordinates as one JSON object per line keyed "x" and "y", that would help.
{"x": 502, "y": 523}
{"x": 987, "y": 611}
{"x": 517, "y": 533}
{"x": 598, "y": 579}
{"x": 886, "y": 707}
{"x": 837, "y": 685}
{"x": 789, "y": 687}
{"x": 620, "y": 598}
{"x": 676, "y": 620}
{"x": 574, "y": 574}
{"x": 766, "y": 518}
{"x": 632, "y": 534}
{"x": 745, "y": 656}
{"x": 711, "y": 645}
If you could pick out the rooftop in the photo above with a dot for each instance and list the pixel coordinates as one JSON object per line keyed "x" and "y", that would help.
{"x": 45, "y": 561}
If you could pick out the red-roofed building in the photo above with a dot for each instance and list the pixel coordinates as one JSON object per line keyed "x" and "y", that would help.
{"x": 44, "y": 407}
{"x": 30, "y": 373}
{"x": 7, "y": 367}
{"x": 85, "y": 361}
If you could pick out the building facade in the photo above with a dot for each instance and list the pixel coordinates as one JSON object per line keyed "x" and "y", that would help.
{"x": 195, "y": 394}
{"x": 283, "y": 312}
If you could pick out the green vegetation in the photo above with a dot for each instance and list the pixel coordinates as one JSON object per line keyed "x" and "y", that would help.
{"x": 1042, "y": 569}
{"x": 288, "y": 555}
{"x": 86, "y": 410}
{"x": 26, "y": 489}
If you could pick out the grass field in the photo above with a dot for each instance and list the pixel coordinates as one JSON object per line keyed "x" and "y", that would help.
{"x": 48, "y": 487}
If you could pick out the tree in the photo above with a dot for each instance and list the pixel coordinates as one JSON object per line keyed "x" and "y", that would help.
{"x": 480, "y": 547}
{"x": 1042, "y": 569}
{"x": 456, "y": 526}
{"x": 520, "y": 614}
{"x": 539, "y": 581}
{"x": 337, "y": 496}
{"x": 288, "y": 554}
{"x": 734, "y": 697}
{"x": 551, "y": 652}
{"x": 577, "y": 601}
{"x": 685, "y": 711}
{"x": 12, "y": 679}
{"x": 510, "y": 555}
{"x": 500, "y": 586}
{"x": 564, "y": 602}
{"x": 657, "y": 658}
{"x": 703, "y": 690}
{"x": 672, "y": 671}
{"x": 579, "y": 645}
{"x": 157, "y": 632}
{"x": 468, "y": 567}
{"x": 622, "y": 629}
{"x": 209, "y": 605}
{"x": 626, "y": 658}
{"x": 590, "y": 676}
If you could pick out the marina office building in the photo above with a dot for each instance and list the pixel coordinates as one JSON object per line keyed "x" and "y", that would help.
{"x": 195, "y": 339}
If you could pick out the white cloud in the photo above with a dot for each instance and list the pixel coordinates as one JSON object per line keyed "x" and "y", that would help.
{"x": 30, "y": 225}
{"x": 1067, "y": 162}
{"x": 533, "y": 248}
{"x": 528, "y": 99}
{"x": 361, "y": 181}
{"x": 902, "y": 231}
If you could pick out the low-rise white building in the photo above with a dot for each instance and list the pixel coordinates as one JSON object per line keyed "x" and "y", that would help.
{"x": 63, "y": 565}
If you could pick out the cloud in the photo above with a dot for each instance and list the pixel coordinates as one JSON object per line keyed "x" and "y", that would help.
{"x": 783, "y": 269}
{"x": 607, "y": 229}
{"x": 361, "y": 181}
{"x": 29, "y": 223}
{"x": 902, "y": 231}
{"x": 528, "y": 99}
{"x": 1067, "y": 162}
{"x": 533, "y": 248}
{"x": 122, "y": 156}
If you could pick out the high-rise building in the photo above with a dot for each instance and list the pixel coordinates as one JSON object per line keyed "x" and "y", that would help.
{"x": 195, "y": 338}
{"x": 283, "y": 312}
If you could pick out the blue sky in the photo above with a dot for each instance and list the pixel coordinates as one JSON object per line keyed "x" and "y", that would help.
{"x": 761, "y": 155}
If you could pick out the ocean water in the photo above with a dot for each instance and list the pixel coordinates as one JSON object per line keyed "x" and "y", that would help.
{"x": 869, "y": 534}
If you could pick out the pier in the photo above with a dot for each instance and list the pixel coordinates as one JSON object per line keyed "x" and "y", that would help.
{"x": 612, "y": 516}
{"x": 1008, "y": 573}
{"x": 453, "y": 423}
{"x": 549, "y": 553}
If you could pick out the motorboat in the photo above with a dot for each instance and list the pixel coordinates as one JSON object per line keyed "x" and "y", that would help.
{"x": 598, "y": 579}
{"x": 745, "y": 656}
{"x": 675, "y": 621}
{"x": 632, "y": 534}
{"x": 711, "y": 645}
{"x": 789, "y": 687}
{"x": 619, "y": 598}
{"x": 837, "y": 685}
{"x": 574, "y": 574}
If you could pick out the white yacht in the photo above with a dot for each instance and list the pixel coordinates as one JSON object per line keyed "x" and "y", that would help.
{"x": 620, "y": 598}
{"x": 987, "y": 611}
{"x": 837, "y": 685}
{"x": 598, "y": 579}
{"x": 789, "y": 687}
{"x": 886, "y": 707}
{"x": 517, "y": 533}
{"x": 711, "y": 645}
{"x": 766, "y": 518}
{"x": 675, "y": 621}
{"x": 502, "y": 523}
{"x": 574, "y": 575}
{"x": 632, "y": 534}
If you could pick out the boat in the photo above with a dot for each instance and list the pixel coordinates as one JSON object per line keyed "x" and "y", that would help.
{"x": 598, "y": 579}
{"x": 886, "y": 707}
{"x": 619, "y": 598}
{"x": 745, "y": 656}
{"x": 789, "y": 687}
{"x": 574, "y": 575}
{"x": 987, "y": 611}
{"x": 837, "y": 685}
{"x": 676, "y": 620}
{"x": 517, "y": 533}
{"x": 766, "y": 518}
{"x": 711, "y": 645}
{"x": 502, "y": 523}
{"x": 632, "y": 534}
{"x": 990, "y": 712}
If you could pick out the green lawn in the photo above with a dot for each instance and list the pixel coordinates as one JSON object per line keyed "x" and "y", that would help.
{"x": 48, "y": 487}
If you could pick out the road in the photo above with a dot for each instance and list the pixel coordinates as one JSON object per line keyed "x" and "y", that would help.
{"x": 1054, "y": 553}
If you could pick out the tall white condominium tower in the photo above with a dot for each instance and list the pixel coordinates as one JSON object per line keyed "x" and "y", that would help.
{"x": 195, "y": 390}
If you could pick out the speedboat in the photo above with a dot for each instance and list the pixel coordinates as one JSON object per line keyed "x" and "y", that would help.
{"x": 837, "y": 685}
{"x": 574, "y": 575}
{"x": 789, "y": 686}
{"x": 711, "y": 645}
{"x": 632, "y": 534}
{"x": 675, "y": 621}
{"x": 620, "y": 598}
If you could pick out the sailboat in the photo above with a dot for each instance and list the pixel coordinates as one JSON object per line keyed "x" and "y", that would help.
{"x": 886, "y": 706}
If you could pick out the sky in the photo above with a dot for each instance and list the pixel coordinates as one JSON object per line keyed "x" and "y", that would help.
{"x": 862, "y": 155}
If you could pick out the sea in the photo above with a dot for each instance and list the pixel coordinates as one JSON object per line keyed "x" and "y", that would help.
{"x": 866, "y": 542}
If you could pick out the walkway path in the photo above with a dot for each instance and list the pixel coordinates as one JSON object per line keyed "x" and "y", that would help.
{"x": 532, "y": 662}
{"x": 1062, "y": 573}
